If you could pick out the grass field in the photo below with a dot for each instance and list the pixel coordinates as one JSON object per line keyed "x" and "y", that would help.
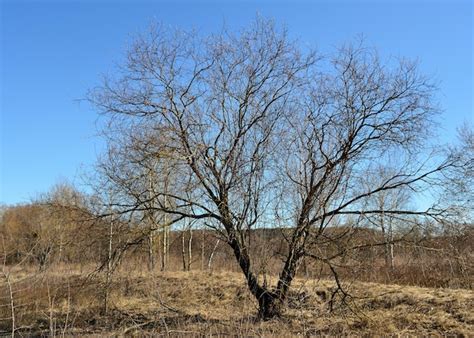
{"x": 197, "y": 303}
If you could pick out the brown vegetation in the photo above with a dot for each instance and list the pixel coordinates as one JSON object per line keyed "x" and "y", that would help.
{"x": 195, "y": 303}
{"x": 69, "y": 293}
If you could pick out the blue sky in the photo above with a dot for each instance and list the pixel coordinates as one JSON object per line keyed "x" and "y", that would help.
{"x": 52, "y": 52}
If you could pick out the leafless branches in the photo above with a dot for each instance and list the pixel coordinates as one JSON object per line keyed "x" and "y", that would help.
{"x": 247, "y": 130}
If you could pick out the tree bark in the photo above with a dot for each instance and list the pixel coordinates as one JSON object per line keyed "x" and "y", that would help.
{"x": 183, "y": 250}
{"x": 108, "y": 272}
{"x": 271, "y": 303}
{"x": 202, "y": 250}
{"x": 164, "y": 256}
{"x": 211, "y": 256}
{"x": 151, "y": 252}
{"x": 269, "y": 306}
{"x": 190, "y": 248}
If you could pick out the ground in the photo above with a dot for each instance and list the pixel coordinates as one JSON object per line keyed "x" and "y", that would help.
{"x": 197, "y": 303}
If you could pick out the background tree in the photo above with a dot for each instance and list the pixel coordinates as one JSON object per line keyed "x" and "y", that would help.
{"x": 458, "y": 185}
{"x": 393, "y": 227}
{"x": 29, "y": 234}
{"x": 48, "y": 229}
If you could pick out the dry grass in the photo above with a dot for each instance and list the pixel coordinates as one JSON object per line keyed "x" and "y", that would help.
{"x": 196, "y": 303}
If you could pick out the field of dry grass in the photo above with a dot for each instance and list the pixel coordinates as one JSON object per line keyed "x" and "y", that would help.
{"x": 196, "y": 303}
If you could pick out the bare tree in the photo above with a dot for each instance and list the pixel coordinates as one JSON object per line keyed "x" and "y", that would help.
{"x": 261, "y": 133}
{"x": 187, "y": 246}
{"x": 190, "y": 247}
{"x": 211, "y": 256}
{"x": 395, "y": 199}
{"x": 458, "y": 184}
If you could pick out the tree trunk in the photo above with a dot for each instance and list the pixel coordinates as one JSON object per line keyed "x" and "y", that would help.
{"x": 272, "y": 304}
{"x": 190, "y": 248}
{"x": 164, "y": 256}
{"x": 151, "y": 223}
{"x": 202, "y": 250}
{"x": 183, "y": 250}
{"x": 391, "y": 257}
{"x": 151, "y": 252}
{"x": 159, "y": 248}
{"x": 387, "y": 240}
{"x": 269, "y": 306}
{"x": 390, "y": 249}
{"x": 211, "y": 256}
{"x": 167, "y": 256}
{"x": 61, "y": 235}
{"x": 108, "y": 272}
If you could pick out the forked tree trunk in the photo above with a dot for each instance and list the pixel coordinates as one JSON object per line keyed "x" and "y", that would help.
{"x": 270, "y": 306}
{"x": 271, "y": 302}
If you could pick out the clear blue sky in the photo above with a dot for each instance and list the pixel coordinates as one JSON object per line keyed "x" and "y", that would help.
{"x": 51, "y": 52}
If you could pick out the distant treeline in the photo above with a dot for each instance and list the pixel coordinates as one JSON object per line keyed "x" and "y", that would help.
{"x": 46, "y": 234}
